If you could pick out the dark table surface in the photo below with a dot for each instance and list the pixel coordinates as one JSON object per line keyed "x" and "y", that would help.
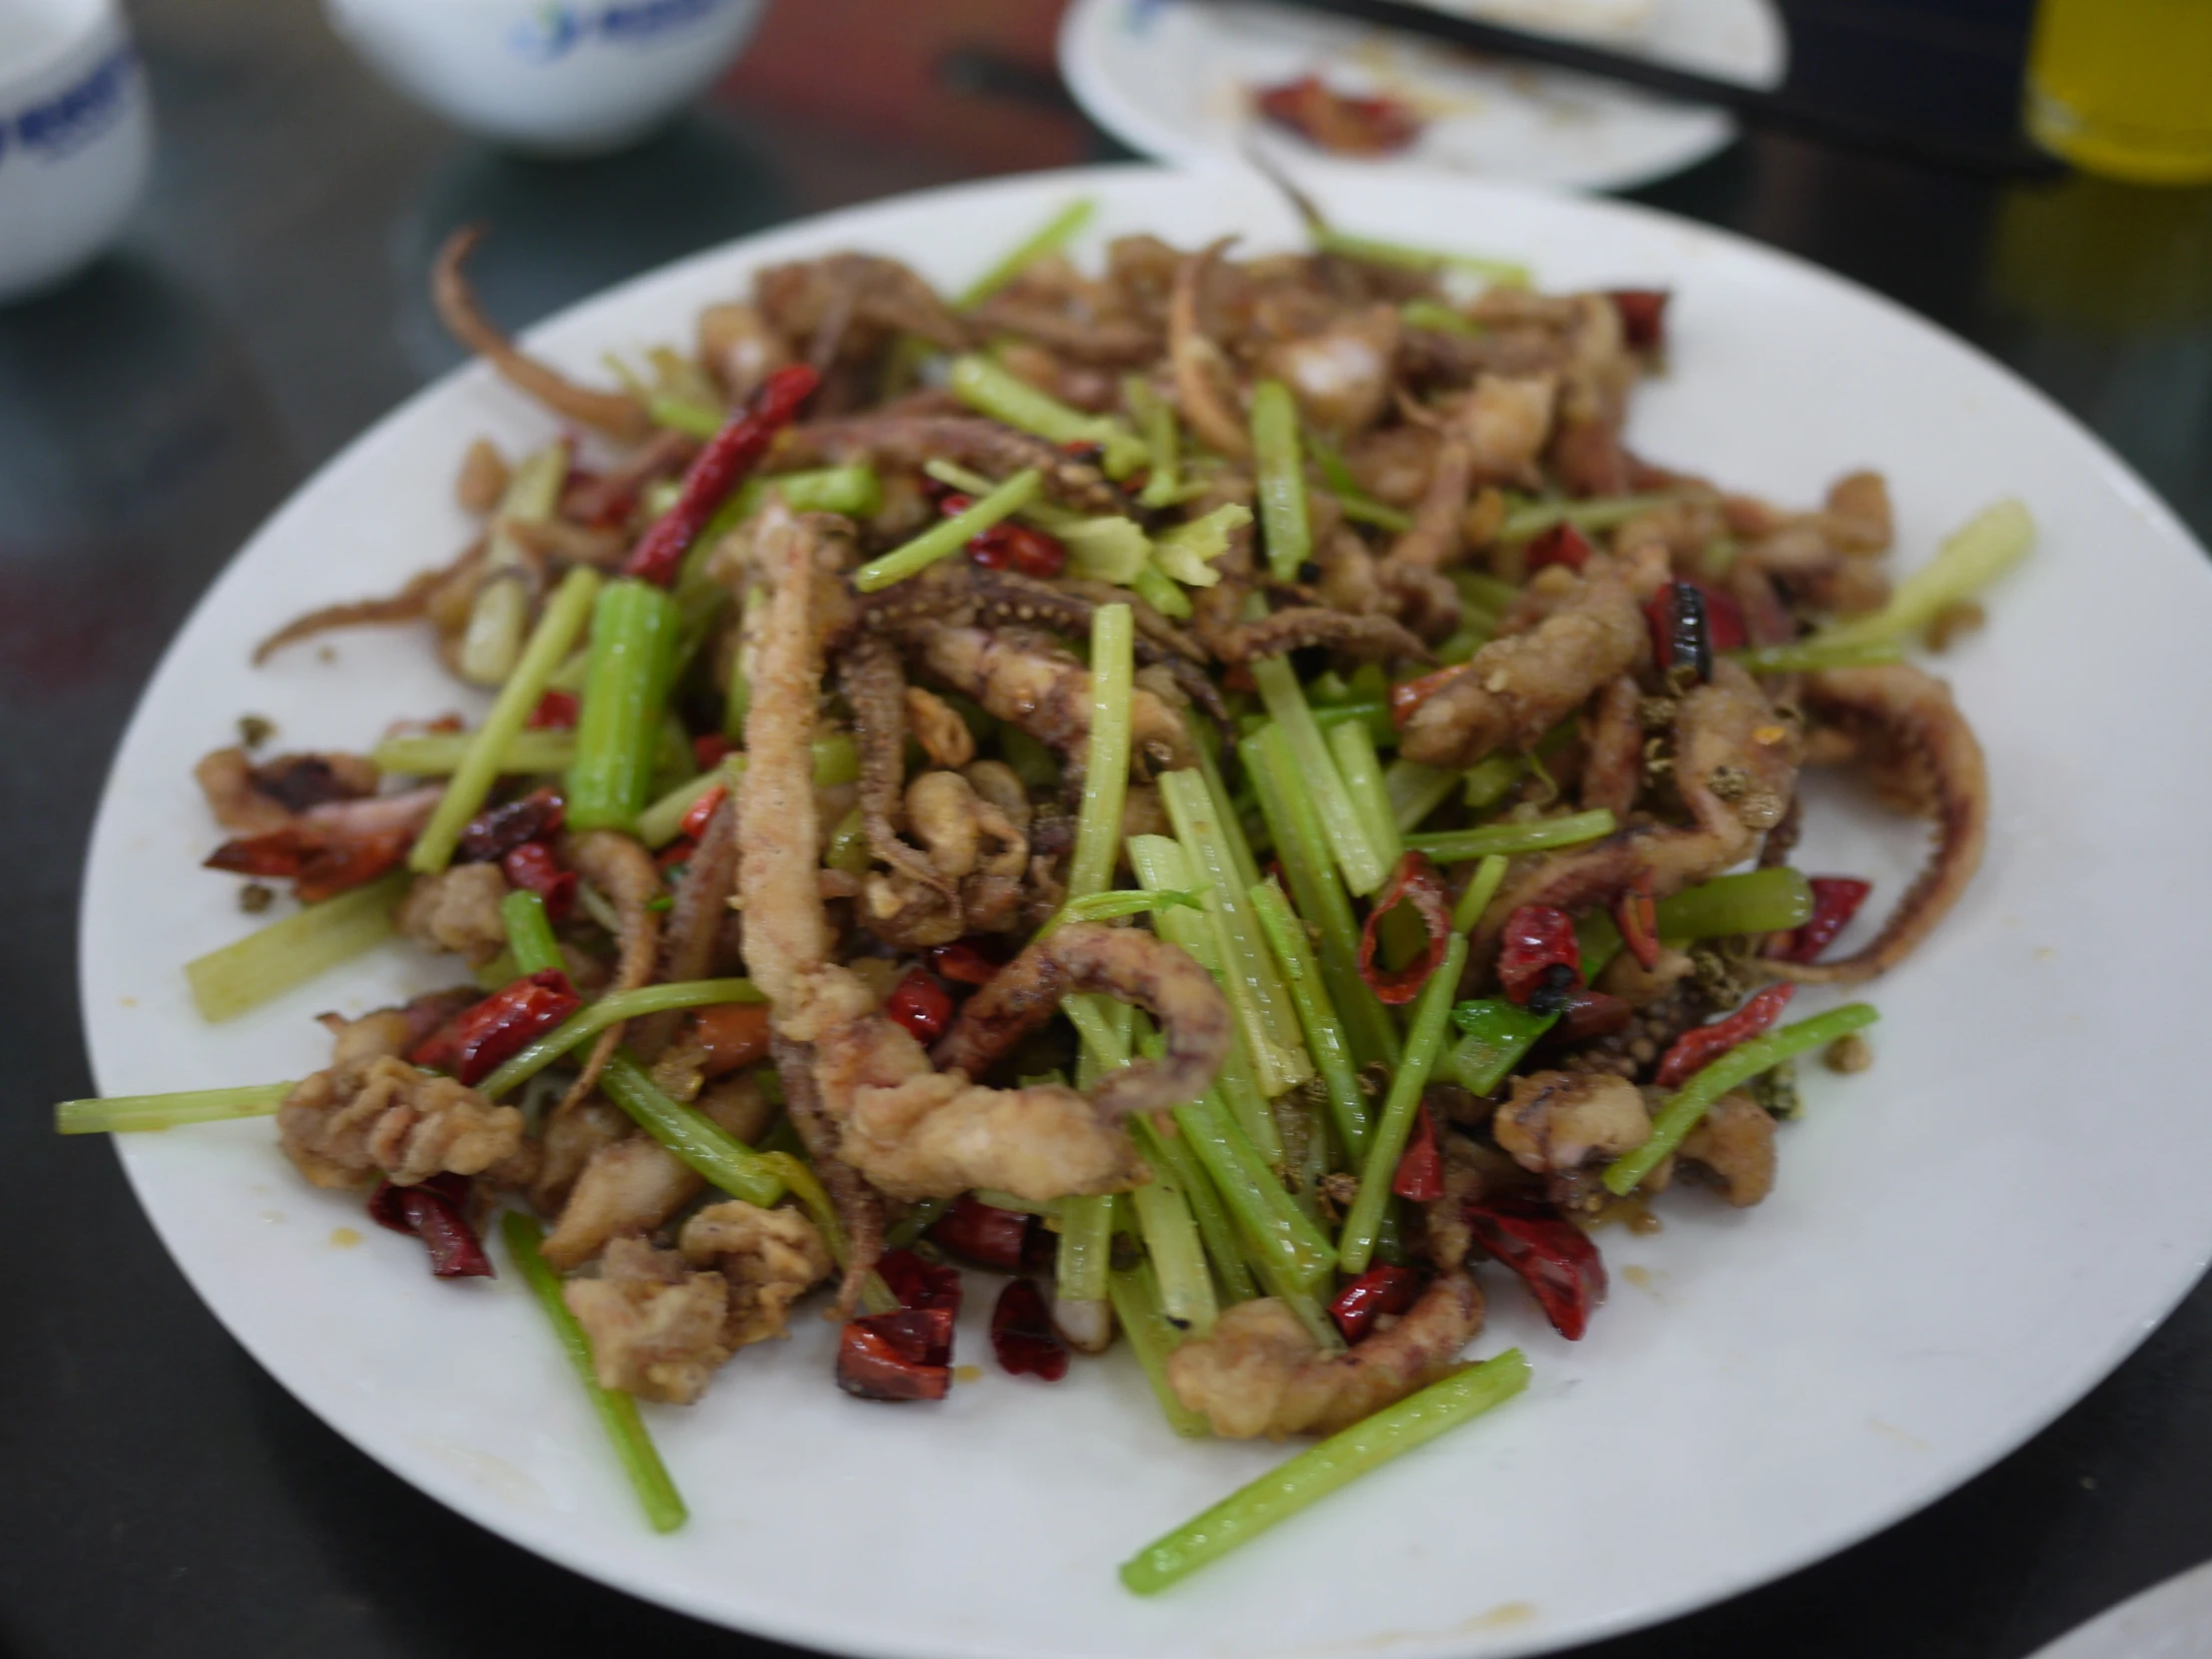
{"x": 159, "y": 1495}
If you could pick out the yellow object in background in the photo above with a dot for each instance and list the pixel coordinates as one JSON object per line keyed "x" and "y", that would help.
{"x": 2124, "y": 87}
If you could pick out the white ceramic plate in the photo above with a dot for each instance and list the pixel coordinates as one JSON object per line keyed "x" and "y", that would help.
{"x": 1964, "y": 1239}
{"x": 1169, "y": 78}
{"x": 2172, "y": 1620}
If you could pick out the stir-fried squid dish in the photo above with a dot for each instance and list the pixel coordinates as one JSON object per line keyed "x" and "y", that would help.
{"x": 1218, "y": 791}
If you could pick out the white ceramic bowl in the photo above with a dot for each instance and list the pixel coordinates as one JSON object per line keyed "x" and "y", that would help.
{"x": 76, "y": 137}
{"x": 569, "y": 77}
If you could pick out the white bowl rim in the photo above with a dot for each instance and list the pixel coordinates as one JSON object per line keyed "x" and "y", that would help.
{"x": 91, "y": 18}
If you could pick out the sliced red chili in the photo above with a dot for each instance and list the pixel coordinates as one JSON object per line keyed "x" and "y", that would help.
{"x": 317, "y": 861}
{"x": 1380, "y": 1289}
{"x": 474, "y": 1042}
{"x": 902, "y": 1355}
{"x": 1636, "y": 913}
{"x": 1539, "y": 958}
{"x": 497, "y": 831}
{"x": 920, "y": 1004}
{"x": 1643, "y": 314}
{"x": 919, "y": 1284}
{"x": 694, "y": 823}
{"x": 1836, "y": 899}
{"x": 962, "y": 963}
{"x": 710, "y": 749}
{"x": 1343, "y": 123}
{"x": 1022, "y": 1336}
{"x": 1415, "y": 882}
{"x": 556, "y": 711}
{"x": 672, "y": 858}
{"x": 1701, "y": 1045}
{"x": 1562, "y": 544}
{"x": 436, "y": 1212}
{"x": 533, "y": 865}
{"x": 984, "y": 1233}
{"x": 1019, "y": 547}
{"x": 718, "y": 470}
{"x": 1554, "y": 1258}
{"x": 1421, "y": 1168}
{"x": 1408, "y": 695}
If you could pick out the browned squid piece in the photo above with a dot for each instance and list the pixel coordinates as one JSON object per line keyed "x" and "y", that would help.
{"x": 1258, "y": 1372}
{"x": 909, "y": 1129}
{"x": 1925, "y": 760}
{"x": 1734, "y": 769}
{"x": 1519, "y": 686}
{"x": 845, "y": 309}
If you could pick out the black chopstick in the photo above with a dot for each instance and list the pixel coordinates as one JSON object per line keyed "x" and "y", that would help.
{"x": 1779, "y": 112}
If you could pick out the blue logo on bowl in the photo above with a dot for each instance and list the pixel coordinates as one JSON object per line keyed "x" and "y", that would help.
{"x": 558, "y": 30}
{"x": 64, "y": 124}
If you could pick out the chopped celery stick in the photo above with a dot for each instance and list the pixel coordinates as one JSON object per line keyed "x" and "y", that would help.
{"x": 1489, "y": 875}
{"x": 1279, "y": 479}
{"x": 1353, "y": 745}
{"x": 1530, "y": 519}
{"x": 1153, "y": 1339}
{"x": 1048, "y": 238}
{"x": 947, "y": 536}
{"x": 1457, "y": 845}
{"x": 1970, "y": 558}
{"x": 271, "y": 960}
{"x": 693, "y": 1136}
{"x": 1326, "y": 1037}
{"x": 1178, "y": 1259}
{"x": 497, "y": 617}
{"x": 681, "y": 414}
{"x": 1163, "y": 438}
{"x": 1316, "y": 769}
{"x": 1496, "y": 1035}
{"x": 989, "y": 391}
{"x": 1375, "y": 251}
{"x": 1812, "y": 657}
{"x": 119, "y": 1114}
{"x": 1415, "y": 791}
{"x": 1438, "y": 318}
{"x": 1423, "y": 1044}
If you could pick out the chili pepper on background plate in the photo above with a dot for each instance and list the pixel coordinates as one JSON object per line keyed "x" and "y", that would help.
{"x": 473, "y": 1042}
{"x": 718, "y": 470}
{"x": 1701, "y": 1045}
{"x": 1553, "y": 1258}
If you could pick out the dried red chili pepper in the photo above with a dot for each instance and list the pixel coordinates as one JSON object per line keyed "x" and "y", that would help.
{"x": 1636, "y": 913}
{"x": 1018, "y": 547}
{"x": 497, "y": 831}
{"x": 556, "y": 711}
{"x": 984, "y": 1233}
{"x": 1538, "y": 939}
{"x": 718, "y": 468}
{"x": 1421, "y": 1168}
{"x": 694, "y": 822}
{"x": 474, "y": 1042}
{"x": 317, "y": 861}
{"x": 672, "y": 858}
{"x": 710, "y": 749}
{"x": 902, "y": 1355}
{"x": 1643, "y": 314}
{"x": 1022, "y": 1336}
{"x": 919, "y": 1284}
{"x": 1341, "y": 122}
{"x": 731, "y": 1036}
{"x": 1408, "y": 695}
{"x": 962, "y": 963}
{"x": 533, "y": 865}
{"x": 1836, "y": 899}
{"x": 1701, "y": 1045}
{"x": 920, "y": 1004}
{"x": 1415, "y": 882}
{"x": 1554, "y": 1258}
{"x": 436, "y": 1212}
{"x": 1380, "y": 1289}
{"x": 1562, "y": 544}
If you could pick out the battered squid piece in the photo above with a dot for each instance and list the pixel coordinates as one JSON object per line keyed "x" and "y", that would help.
{"x": 695, "y": 917}
{"x": 457, "y": 910}
{"x": 875, "y": 687}
{"x": 1377, "y": 638}
{"x": 250, "y": 800}
{"x": 655, "y": 1325}
{"x": 911, "y": 1131}
{"x": 974, "y": 846}
{"x": 1113, "y": 342}
{"x": 1735, "y": 768}
{"x": 767, "y": 1258}
{"x": 1258, "y": 1372}
{"x": 738, "y": 348}
{"x": 371, "y": 1114}
{"x": 1199, "y": 368}
{"x": 1341, "y": 375}
{"x": 622, "y": 870}
{"x": 1925, "y": 757}
{"x": 858, "y": 1206}
{"x": 629, "y": 1187}
{"x": 820, "y": 300}
{"x": 617, "y": 414}
{"x": 1558, "y": 1123}
{"x": 906, "y": 439}
{"x": 1520, "y": 686}
{"x": 1732, "y": 1149}
{"x": 429, "y": 592}
{"x": 1026, "y": 677}
{"x": 1612, "y": 768}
